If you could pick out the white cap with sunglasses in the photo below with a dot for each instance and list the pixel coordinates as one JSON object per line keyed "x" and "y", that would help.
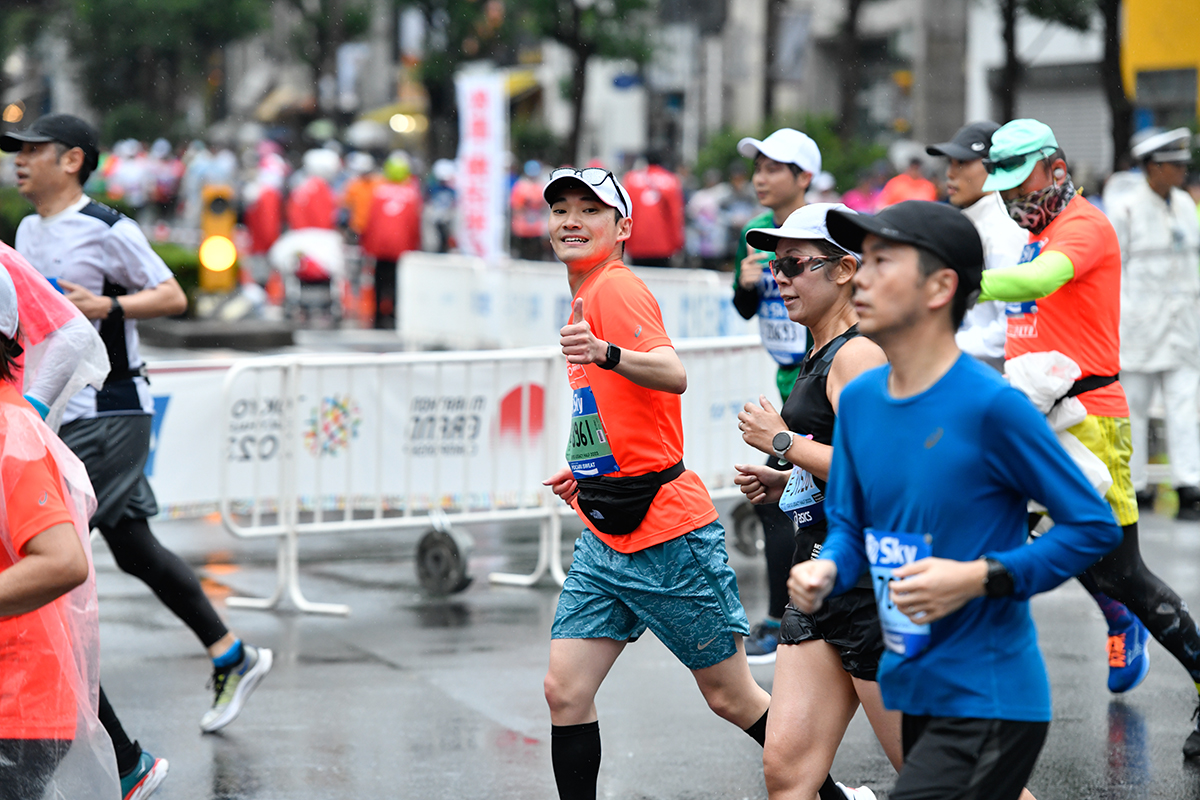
{"x": 807, "y": 222}
{"x": 600, "y": 182}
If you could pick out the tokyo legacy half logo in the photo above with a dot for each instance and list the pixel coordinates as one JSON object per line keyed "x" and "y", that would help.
{"x": 332, "y": 425}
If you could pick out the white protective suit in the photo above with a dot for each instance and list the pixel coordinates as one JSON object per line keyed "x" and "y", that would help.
{"x": 1160, "y": 322}
{"x": 54, "y": 648}
{"x": 985, "y": 326}
{"x": 63, "y": 350}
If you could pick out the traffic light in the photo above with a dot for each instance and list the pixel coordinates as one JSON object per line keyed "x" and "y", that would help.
{"x": 217, "y": 252}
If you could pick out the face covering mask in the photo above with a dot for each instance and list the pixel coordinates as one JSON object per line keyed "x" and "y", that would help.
{"x": 1036, "y": 210}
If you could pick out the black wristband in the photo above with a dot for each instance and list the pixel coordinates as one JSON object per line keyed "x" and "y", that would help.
{"x": 611, "y": 358}
{"x": 116, "y": 311}
{"x": 999, "y": 581}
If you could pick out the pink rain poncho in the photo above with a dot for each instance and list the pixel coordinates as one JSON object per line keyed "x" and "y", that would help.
{"x": 50, "y": 657}
{"x": 63, "y": 350}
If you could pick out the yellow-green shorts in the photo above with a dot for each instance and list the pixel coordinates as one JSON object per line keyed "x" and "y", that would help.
{"x": 1110, "y": 440}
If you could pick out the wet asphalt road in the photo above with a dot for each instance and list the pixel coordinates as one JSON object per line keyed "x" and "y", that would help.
{"x": 412, "y": 697}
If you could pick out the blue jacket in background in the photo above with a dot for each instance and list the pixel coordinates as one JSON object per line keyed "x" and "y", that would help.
{"x": 959, "y": 462}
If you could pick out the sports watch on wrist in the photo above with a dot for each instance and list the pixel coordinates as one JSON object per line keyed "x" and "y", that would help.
{"x": 611, "y": 358}
{"x": 116, "y": 310}
{"x": 782, "y": 442}
{"x": 999, "y": 581}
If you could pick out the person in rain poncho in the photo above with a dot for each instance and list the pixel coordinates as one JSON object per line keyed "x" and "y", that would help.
{"x": 51, "y": 740}
{"x": 1156, "y": 224}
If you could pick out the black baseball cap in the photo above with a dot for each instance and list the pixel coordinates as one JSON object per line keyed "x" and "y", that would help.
{"x": 939, "y": 228}
{"x": 62, "y": 128}
{"x": 971, "y": 143}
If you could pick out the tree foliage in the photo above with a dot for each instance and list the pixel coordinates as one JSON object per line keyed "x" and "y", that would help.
{"x": 139, "y": 54}
{"x": 618, "y": 29}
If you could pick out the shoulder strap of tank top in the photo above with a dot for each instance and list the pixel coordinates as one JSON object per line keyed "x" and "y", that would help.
{"x": 836, "y": 344}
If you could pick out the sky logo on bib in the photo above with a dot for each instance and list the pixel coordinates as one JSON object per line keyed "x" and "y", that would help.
{"x": 889, "y": 551}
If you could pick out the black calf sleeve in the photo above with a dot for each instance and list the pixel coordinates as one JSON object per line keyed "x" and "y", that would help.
{"x": 1123, "y": 576}
{"x": 127, "y": 752}
{"x": 138, "y": 553}
{"x": 575, "y": 753}
{"x": 758, "y": 731}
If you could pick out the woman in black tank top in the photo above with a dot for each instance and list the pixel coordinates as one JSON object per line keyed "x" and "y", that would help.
{"x": 825, "y": 664}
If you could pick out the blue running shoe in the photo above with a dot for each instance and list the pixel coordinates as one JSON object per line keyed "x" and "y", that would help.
{"x": 762, "y": 642}
{"x": 1128, "y": 656}
{"x": 145, "y": 778}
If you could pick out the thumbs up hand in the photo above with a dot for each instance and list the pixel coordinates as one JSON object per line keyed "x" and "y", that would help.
{"x": 579, "y": 344}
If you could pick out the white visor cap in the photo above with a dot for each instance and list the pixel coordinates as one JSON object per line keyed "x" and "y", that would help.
{"x": 8, "y": 305}
{"x": 807, "y": 222}
{"x": 787, "y": 146}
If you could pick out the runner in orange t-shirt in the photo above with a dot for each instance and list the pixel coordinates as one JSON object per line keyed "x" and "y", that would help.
{"x": 653, "y": 554}
{"x": 908, "y": 185}
{"x": 1065, "y": 295}
{"x": 48, "y": 622}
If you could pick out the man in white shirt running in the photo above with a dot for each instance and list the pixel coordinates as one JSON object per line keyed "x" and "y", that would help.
{"x": 101, "y": 260}
{"x": 985, "y": 325}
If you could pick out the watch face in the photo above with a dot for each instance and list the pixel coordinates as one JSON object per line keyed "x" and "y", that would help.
{"x": 781, "y": 442}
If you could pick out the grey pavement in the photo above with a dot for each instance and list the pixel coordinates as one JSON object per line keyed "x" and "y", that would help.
{"x": 416, "y": 697}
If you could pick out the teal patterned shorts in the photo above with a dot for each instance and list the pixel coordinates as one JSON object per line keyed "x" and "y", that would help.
{"x": 682, "y": 590}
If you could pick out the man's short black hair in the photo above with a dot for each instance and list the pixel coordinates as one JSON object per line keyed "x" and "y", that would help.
{"x": 84, "y": 171}
{"x": 929, "y": 263}
{"x": 795, "y": 168}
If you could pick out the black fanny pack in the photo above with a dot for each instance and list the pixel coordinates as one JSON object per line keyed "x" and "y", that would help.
{"x": 617, "y": 505}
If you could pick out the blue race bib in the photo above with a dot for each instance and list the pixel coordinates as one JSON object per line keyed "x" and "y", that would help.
{"x": 784, "y": 340}
{"x": 887, "y": 550}
{"x": 802, "y": 500}
{"x": 589, "y": 452}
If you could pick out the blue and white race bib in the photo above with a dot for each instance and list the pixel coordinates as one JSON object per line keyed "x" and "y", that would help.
{"x": 589, "y": 452}
{"x": 887, "y": 550}
{"x": 802, "y": 500}
{"x": 784, "y": 340}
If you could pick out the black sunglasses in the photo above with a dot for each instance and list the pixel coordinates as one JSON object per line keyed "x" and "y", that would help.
{"x": 790, "y": 266}
{"x": 592, "y": 176}
{"x": 1012, "y": 162}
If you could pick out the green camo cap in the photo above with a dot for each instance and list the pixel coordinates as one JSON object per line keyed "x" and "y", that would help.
{"x": 1022, "y": 137}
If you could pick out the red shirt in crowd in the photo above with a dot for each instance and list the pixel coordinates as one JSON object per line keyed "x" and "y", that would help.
{"x": 657, "y": 196}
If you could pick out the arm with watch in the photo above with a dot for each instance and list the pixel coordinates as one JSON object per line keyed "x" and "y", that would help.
{"x": 763, "y": 429}
{"x": 165, "y": 299}
{"x": 659, "y": 369}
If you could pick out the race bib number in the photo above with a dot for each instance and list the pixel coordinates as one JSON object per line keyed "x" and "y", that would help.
{"x": 589, "y": 453}
{"x": 783, "y": 339}
{"x": 802, "y": 500}
{"x": 886, "y": 551}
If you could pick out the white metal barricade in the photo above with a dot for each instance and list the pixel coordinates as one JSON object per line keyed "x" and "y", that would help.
{"x": 334, "y": 444}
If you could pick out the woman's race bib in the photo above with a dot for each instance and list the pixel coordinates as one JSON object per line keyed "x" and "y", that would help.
{"x": 589, "y": 453}
{"x": 802, "y": 500}
{"x": 784, "y": 340}
{"x": 886, "y": 551}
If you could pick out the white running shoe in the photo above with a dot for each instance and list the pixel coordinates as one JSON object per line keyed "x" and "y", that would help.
{"x": 861, "y": 793}
{"x": 234, "y": 685}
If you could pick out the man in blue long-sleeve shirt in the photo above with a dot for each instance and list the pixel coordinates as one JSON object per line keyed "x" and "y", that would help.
{"x": 935, "y": 458}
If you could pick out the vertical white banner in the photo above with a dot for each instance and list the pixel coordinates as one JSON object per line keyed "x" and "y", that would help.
{"x": 482, "y": 182}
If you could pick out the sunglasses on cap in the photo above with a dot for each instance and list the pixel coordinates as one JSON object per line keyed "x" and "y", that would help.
{"x": 594, "y": 177}
{"x": 1012, "y": 162}
{"x": 790, "y": 266}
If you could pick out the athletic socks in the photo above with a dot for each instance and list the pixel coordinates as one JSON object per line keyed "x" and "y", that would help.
{"x": 830, "y": 790}
{"x": 575, "y": 753}
{"x": 127, "y": 752}
{"x": 232, "y": 657}
{"x": 758, "y": 731}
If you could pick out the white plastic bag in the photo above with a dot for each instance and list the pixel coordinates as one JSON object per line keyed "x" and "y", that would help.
{"x": 1045, "y": 378}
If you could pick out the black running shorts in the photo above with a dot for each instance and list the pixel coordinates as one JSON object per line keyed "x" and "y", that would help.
{"x": 953, "y": 757}
{"x": 849, "y": 622}
{"x": 114, "y": 450}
